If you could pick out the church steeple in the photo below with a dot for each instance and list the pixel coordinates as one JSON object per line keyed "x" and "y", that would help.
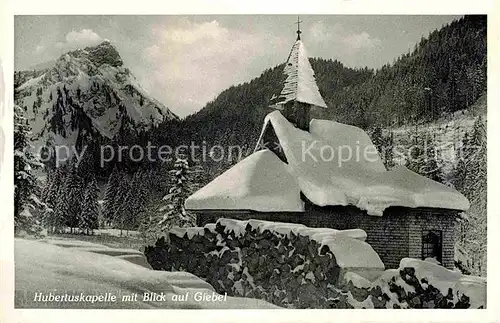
{"x": 300, "y": 92}
{"x": 298, "y": 28}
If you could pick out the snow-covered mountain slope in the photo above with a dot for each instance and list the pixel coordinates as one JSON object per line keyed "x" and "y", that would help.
{"x": 447, "y": 134}
{"x": 86, "y": 92}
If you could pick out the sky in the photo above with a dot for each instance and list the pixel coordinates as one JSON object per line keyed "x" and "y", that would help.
{"x": 186, "y": 61}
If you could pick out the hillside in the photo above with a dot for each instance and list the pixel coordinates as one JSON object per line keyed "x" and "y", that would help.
{"x": 235, "y": 117}
{"x": 445, "y": 73}
{"x": 448, "y": 133}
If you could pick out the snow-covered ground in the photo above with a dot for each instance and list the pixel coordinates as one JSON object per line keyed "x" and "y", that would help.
{"x": 81, "y": 269}
{"x": 113, "y": 232}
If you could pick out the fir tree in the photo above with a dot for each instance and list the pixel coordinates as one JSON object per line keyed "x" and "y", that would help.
{"x": 461, "y": 171}
{"x": 75, "y": 191}
{"x": 25, "y": 183}
{"x": 119, "y": 216}
{"x": 135, "y": 201}
{"x": 90, "y": 208}
{"x": 384, "y": 145}
{"x": 416, "y": 160}
{"x": 58, "y": 218}
{"x": 54, "y": 182}
{"x": 173, "y": 211}
{"x": 141, "y": 187}
{"x": 476, "y": 184}
{"x": 425, "y": 160}
{"x": 388, "y": 151}
{"x": 432, "y": 167}
{"x": 460, "y": 174}
{"x": 471, "y": 179}
{"x": 149, "y": 219}
{"x": 51, "y": 196}
{"x": 109, "y": 196}
{"x": 378, "y": 140}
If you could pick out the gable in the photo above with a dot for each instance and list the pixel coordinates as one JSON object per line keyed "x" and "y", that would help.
{"x": 270, "y": 141}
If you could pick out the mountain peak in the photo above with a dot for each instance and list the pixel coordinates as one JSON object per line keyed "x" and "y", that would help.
{"x": 86, "y": 93}
{"x": 104, "y": 53}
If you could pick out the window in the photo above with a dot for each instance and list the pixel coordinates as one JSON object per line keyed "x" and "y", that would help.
{"x": 432, "y": 244}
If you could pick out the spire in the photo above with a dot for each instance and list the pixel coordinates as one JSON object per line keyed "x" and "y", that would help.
{"x": 300, "y": 83}
{"x": 300, "y": 94}
{"x": 298, "y": 27}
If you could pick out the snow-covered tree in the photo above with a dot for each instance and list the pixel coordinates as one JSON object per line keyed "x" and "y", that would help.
{"x": 173, "y": 211}
{"x": 52, "y": 185}
{"x": 88, "y": 220}
{"x": 135, "y": 201}
{"x": 424, "y": 159}
{"x": 118, "y": 218}
{"x": 62, "y": 211}
{"x": 25, "y": 182}
{"x": 384, "y": 145}
{"x": 378, "y": 140}
{"x": 75, "y": 191}
{"x": 473, "y": 226}
{"x": 149, "y": 220}
{"x": 388, "y": 152}
{"x": 416, "y": 160}
{"x": 461, "y": 171}
{"x": 53, "y": 192}
{"x": 432, "y": 167}
{"x": 109, "y": 196}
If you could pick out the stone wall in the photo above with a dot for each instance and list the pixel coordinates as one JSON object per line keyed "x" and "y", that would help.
{"x": 388, "y": 235}
{"x": 421, "y": 221}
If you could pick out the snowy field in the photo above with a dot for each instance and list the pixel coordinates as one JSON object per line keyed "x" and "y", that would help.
{"x": 112, "y": 232}
{"x": 106, "y": 237}
{"x": 85, "y": 275}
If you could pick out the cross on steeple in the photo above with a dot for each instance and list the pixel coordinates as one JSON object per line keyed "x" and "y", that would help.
{"x": 298, "y": 27}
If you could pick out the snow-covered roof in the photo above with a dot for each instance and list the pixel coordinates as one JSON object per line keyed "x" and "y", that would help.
{"x": 260, "y": 182}
{"x": 333, "y": 164}
{"x": 337, "y": 164}
{"x": 300, "y": 83}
